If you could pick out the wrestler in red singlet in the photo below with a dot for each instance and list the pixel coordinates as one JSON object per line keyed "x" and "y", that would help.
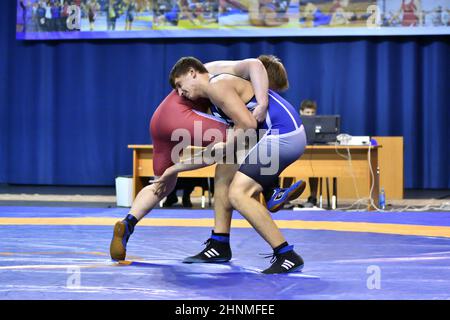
{"x": 409, "y": 14}
{"x": 173, "y": 113}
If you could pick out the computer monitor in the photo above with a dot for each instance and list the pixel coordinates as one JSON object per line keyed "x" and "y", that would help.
{"x": 321, "y": 129}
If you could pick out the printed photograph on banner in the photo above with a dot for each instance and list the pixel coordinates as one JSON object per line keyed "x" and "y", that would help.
{"x": 336, "y": 13}
{"x": 95, "y": 19}
{"x": 116, "y": 15}
{"x": 415, "y": 13}
{"x": 48, "y": 16}
{"x": 259, "y": 13}
{"x": 83, "y": 15}
{"x": 185, "y": 14}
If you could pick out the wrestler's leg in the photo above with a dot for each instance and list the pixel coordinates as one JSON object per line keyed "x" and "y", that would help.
{"x": 222, "y": 207}
{"x": 242, "y": 190}
{"x": 241, "y": 194}
{"x": 250, "y": 180}
{"x": 218, "y": 245}
{"x": 216, "y": 130}
{"x": 144, "y": 202}
{"x": 146, "y": 199}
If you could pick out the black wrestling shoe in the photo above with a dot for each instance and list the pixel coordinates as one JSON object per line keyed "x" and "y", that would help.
{"x": 215, "y": 252}
{"x": 285, "y": 262}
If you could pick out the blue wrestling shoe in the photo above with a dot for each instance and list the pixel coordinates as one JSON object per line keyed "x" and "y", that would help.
{"x": 122, "y": 232}
{"x": 281, "y": 195}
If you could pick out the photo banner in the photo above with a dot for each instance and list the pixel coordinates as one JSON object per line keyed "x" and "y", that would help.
{"x": 112, "y": 19}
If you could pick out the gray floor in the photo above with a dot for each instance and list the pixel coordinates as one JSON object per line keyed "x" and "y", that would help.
{"x": 62, "y": 190}
{"x": 37, "y": 195}
{"x": 104, "y": 197}
{"x": 110, "y": 190}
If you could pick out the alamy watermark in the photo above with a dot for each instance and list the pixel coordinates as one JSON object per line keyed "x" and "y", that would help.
{"x": 374, "y": 280}
{"x": 74, "y": 279}
{"x": 242, "y": 146}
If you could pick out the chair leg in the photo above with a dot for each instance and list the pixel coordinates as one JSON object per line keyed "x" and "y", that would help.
{"x": 320, "y": 194}
{"x": 209, "y": 192}
{"x": 335, "y": 193}
{"x": 203, "y": 201}
{"x": 328, "y": 194}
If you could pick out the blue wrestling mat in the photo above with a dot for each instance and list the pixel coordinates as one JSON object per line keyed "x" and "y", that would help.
{"x": 63, "y": 253}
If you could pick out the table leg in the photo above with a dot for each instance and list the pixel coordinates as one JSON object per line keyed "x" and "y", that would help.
{"x": 335, "y": 193}
{"x": 137, "y": 180}
{"x": 375, "y": 180}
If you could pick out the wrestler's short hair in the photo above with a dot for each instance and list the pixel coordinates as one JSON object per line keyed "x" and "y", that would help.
{"x": 278, "y": 78}
{"x": 182, "y": 67}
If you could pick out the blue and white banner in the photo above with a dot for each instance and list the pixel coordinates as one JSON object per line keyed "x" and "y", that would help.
{"x": 93, "y": 19}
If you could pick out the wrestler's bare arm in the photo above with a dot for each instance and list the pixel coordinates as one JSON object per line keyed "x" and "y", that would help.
{"x": 224, "y": 95}
{"x": 250, "y": 69}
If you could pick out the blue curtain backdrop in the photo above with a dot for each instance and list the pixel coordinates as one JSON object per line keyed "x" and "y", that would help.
{"x": 68, "y": 110}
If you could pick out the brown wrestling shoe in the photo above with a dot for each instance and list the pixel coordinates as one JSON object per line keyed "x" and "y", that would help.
{"x": 118, "y": 247}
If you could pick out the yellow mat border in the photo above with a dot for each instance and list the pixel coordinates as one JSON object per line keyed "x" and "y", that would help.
{"x": 384, "y": 228}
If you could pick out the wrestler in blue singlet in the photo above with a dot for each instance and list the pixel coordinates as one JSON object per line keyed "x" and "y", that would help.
{"x": 283, "y": 142}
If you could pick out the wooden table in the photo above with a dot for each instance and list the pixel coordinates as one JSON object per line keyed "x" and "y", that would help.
{"x": 317, "y": 161}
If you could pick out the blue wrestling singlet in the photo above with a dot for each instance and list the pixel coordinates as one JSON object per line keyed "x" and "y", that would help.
{"x": 283, "y": 142}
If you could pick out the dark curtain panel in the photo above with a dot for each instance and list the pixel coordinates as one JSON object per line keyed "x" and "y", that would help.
{"x": 69, "y": 109}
